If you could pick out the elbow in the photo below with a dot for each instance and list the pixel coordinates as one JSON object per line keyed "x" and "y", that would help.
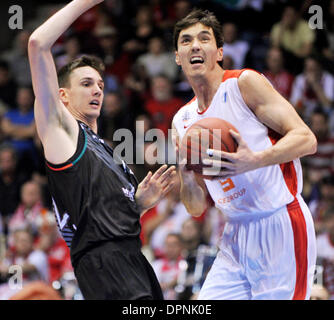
{"x": 196, "y": 211}
{"x": 35, "y": 44}
{"x": 314, "y": 147}
{"x": 33, "y": 47}
{"x": 313, "y": 143}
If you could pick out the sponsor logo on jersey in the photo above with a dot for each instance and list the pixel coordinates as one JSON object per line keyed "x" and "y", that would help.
{"x": 232, "y": 197}
{"x": 129, "y": 193}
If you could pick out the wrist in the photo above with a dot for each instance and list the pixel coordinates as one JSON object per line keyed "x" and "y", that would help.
{"x": 139, "y": 203}
{"x": 260, "y": 158}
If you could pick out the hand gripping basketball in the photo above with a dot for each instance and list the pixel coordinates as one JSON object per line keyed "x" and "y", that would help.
{"x": 208, "y": 133}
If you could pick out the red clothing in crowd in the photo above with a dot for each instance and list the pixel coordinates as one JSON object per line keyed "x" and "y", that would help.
{"x": 282, "y": 82}
{"x": 59, "y": 259}
{"x": 162, "y": 113}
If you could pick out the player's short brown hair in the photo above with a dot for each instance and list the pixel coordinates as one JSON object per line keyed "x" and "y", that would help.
{"x": 84, "y": 61}
{"x": 205, "y": 17}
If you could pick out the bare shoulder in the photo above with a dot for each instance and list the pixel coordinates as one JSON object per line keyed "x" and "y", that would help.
{"x": 256, "y": 89}
{"x": 251, "y": 79}
{"x": 248, "y": 75}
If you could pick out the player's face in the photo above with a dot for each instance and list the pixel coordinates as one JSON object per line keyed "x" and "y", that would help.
{"x": 85, "y": 95}
{"x": 197, "y": 51}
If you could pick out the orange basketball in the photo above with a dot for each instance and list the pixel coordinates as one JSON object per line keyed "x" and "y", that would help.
{"x": 207, "y": 133}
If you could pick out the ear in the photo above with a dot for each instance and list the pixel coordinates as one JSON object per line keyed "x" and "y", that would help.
{"x": 177, "y": 59}
{"x": 220, "y": 54}
{"x": 63, "y": 96}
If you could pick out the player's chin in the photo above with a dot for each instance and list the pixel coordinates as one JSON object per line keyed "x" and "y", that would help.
{"x": 94, "y": 113}
{"x": 198, "y": 69}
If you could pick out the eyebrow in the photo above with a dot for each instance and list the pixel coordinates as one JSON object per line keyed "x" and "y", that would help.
{"x": 202, "y": 32}
{"x": 90, "y": 78}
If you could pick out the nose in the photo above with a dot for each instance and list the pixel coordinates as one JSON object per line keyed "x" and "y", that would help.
{"x": 195, "y": 45}
{"x": 97, "y": 91}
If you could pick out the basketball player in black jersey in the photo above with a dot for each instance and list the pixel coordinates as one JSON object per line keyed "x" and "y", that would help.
{"x": 96, "y": 197}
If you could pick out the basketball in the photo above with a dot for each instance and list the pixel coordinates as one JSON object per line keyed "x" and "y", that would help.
{"x": 207, "y": 133}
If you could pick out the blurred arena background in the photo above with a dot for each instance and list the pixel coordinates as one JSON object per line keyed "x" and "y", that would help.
{"x": 143, "y": 83}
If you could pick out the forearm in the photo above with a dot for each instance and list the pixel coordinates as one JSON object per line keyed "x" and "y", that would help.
{"x": 141, "y": 207}
{"x": 295, "y": 144}
{"x": 47, "y": 34}
{"x": 193, "y": 197}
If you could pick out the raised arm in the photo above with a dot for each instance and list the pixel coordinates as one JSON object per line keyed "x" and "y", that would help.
{"x": 56, "y": 127}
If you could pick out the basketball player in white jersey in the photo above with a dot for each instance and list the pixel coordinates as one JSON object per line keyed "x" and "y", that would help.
{"x": 267, "y": 250}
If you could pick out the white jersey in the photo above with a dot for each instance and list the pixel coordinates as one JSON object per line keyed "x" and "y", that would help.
{"x": 255, "y": 192}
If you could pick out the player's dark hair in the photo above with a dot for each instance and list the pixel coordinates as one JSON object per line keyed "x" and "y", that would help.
{"x": 205, "y": 17}
{"x": 84, "y": 61}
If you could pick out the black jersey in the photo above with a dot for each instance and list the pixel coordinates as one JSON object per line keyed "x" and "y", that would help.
{"x": 93, "y": 195}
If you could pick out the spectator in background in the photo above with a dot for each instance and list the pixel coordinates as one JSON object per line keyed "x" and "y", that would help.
{"x": 11, "y": 180}
{"x": 327, "y": 34}
{"x": 175, "y": 11}
{"x": 114, "y": 115}
{"x": 53, "y": 245}
{"x": 86, "y": 22}
{"x": 72, "y": 50}
{"x": 294, "y": 36}
{"x": 162, "y": 106}
{"x": 228, "y": 62}
{"x": 8, "y": 87}
{"x": 18, "y": 126}
{"x": 29, "y": 210}
{"x": 17, "y": 58}
{"x": 323, "y": 160}
{"x": 136, "y": 87}
{"x": 233, "y": 46}
{"x": 322, "y": 209}
{"x": 142, "y": 29}
{"x": 180, "y": 9}
{"x": 167, "y": 268}
{"x": 116, "y": 61}
{"x": 312, "y": 88}
{"x": 147, "y": 161}
{"x": 325, "y": 251}
{"x": 33, "y": 262}
{"x": 329, "y": 23}
{"x": 191, "y": 234}
{"x": 158, "y": 61}
{"x": 171, "y": 214}
{"x": 280, "y": 78}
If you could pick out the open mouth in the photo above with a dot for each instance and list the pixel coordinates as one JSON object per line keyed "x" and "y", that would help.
{"x": 196, "y": 60}
{"x": 94, "y": 103}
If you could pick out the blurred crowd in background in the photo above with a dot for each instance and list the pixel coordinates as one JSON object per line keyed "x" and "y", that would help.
{"x": 143, "y": 83}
